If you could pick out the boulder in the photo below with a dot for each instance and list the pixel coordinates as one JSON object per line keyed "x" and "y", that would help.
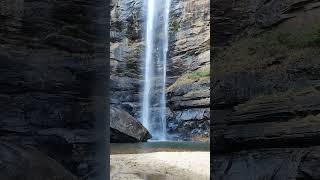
{"x": 27, "y": 163}
{"x": 125, "y": 128}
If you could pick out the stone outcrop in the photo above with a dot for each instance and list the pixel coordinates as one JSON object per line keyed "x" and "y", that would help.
{"x": 52, "y": 81}
{"x": 125, "y": 128}
{"x": 188, "y": 60}
{"x": 265, "y": 90}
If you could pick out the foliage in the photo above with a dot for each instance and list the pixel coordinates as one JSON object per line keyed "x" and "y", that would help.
{"x": 313, "y": 118}
{"x": 175, "y": 26}
{"x": 194, "y": 92}
{"x": 201, "y": 74}
{"x": 310, "y": 37}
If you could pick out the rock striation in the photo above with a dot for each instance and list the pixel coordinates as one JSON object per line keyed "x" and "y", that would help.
{"x": 53, "y": 78}
{"x": 189, "y": 70}
{"x": 265, "y": 90}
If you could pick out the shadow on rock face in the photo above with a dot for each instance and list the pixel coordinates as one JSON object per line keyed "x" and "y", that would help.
{"x": 26, "y": 163}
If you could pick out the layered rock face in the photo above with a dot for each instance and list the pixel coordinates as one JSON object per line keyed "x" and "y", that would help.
{"x": 188, "y": 64}
{"x": 189, "y": 69}
{"x": 53, "y": 75}
{"x": 265, "y": 90}
{"x": 125, "y": 51}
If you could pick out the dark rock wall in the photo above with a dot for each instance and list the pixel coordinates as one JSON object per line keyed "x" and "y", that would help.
{"x": 265, "y": 90}
{"x": 53, "y": 78}
{"x": 235, "y": 19}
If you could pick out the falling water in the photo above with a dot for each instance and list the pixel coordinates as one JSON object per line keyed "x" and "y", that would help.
{"x": 164, "y": 77}
{"x": 148, "y": 66}
{"x": 155, "y": 67}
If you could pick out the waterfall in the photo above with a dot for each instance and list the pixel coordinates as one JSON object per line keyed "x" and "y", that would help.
{"x": 148, "y": 66}
{"x": 155, "y": 67}
{"x": 164, "y": 74}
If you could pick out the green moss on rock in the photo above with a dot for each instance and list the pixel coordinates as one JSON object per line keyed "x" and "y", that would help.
{"x": 201, "y": 74}
{"x": 313, "y": 118}
{"x": 175, "y": 26}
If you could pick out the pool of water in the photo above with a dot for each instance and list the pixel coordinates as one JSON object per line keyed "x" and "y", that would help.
{"x": 159, "y": 146}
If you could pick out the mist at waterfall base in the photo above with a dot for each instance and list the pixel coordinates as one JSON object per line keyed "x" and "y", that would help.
{"x": 155, "y": 67}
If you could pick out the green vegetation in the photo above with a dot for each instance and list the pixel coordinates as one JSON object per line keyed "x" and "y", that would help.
{"x": 201, "y": 74}
{"x": 200, "y": 138}
{"x": 131, "y": 65}
{"x": 175, "y": 26}
{"x": 270, "y": 49}
{"x": 196, "y": 91}
{"x": 308, "y": 38}
{"x": 312, "y": 118}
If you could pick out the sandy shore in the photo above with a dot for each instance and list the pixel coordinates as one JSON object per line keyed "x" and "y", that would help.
{"x": 161, "y": 166}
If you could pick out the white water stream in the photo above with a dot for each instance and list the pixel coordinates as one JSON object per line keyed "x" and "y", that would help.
{"x": 155, "y": 67}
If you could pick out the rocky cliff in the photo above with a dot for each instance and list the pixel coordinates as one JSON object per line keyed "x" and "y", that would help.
{"x": 189, "y": 69}
{"x": 188, "y": 64}
{"x": 265, "y": 90}
{"x": 53, "y": 74}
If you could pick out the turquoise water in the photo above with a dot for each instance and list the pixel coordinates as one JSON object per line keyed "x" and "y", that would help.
{"x": 159, "y": 146}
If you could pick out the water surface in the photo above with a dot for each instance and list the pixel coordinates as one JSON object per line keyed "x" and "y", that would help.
{"x": 159, "y": 146}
